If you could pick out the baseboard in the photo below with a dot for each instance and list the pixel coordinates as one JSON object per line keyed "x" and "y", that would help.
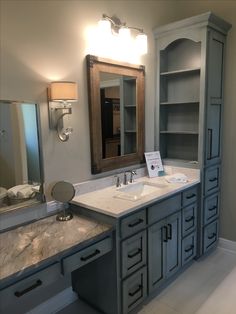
{"x": 227, "y": 245}
{"x": 56, "y": 303}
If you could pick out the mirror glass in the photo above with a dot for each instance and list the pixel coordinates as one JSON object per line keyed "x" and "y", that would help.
{"x": 118, "y": 114}
{"x": 116, "y": 99}
{"x": 20, "y": 156}
{"x": 63, "y": 191}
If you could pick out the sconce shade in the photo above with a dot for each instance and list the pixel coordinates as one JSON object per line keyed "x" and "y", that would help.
{"x": 63, "y": 91}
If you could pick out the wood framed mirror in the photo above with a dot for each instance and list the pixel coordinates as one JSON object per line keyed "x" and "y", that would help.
{"x": 116, "y": 108}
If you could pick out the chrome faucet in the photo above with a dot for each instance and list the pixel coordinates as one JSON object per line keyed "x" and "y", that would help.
{"x": 132, "y": 173}
{"x": 125, "y": 181}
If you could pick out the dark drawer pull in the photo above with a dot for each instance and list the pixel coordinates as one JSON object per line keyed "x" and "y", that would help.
{"x": 212, "y": 236}
{"x": 188, "y": 219}
{"x": 212, "y": 208}
{"x": 165, "y": 234}
{"x": 190, "y": 196}
{"x": 19, "y": 294}
{"x": 85, "y": 258}
{"x": 190, "y": 248}
{"x": 131, "y": 255}
{"x": 213, "y": 179}
{"x": 169, "y": 234}
{"x": 139, "y": 221}
{"x": 135, "y": 291}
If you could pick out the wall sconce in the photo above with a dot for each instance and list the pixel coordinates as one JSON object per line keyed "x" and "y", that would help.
{"x": 60, "y": 96}
{"x": 113, "y": 25}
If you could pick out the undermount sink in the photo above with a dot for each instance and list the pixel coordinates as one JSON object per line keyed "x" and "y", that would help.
{"x": 136, "y": 191}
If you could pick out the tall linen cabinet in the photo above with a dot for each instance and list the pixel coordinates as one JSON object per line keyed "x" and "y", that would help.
{"x": 189, "y": 104}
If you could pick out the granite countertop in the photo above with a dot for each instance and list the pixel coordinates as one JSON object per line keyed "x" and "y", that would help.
{"x": 105, "y": 200}
{"x": 31, "y": 244}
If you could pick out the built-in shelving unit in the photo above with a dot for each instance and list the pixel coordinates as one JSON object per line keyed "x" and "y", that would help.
{"x": 179, "y": 100}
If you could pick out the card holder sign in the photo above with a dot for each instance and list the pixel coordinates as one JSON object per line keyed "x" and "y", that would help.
{"x": 154, "y": 163}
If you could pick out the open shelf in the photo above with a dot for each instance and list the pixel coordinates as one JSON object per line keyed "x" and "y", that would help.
{"x": 179, "y": 72}
{"x": 167, "y": 103}
{"x": 179, "y": 132}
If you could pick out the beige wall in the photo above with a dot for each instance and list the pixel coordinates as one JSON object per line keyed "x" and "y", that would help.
{"x": 45, "y": 40}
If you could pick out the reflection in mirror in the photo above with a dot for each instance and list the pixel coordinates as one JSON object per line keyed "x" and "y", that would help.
{"x": 116, "y": 99}
{"x": 118, "y": 114}
{"x": 20, "y": 157}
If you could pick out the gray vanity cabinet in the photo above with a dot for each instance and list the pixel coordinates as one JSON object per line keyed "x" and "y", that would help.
{"x": 190, "y": 66}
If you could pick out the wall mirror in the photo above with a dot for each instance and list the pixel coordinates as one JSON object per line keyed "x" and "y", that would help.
{"x": 116, "y": 103}
{"x": 21, "y": 177}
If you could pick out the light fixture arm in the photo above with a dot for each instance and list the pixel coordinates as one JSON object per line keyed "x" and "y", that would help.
{"x": 63, "y": 136}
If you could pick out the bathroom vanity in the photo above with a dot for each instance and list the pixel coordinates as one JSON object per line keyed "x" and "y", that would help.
{"x": 156, "y": 238}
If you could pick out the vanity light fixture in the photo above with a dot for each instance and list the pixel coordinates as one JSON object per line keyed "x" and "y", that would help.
{"x": 60, "y": 96}
{"x": 113, "y": 25}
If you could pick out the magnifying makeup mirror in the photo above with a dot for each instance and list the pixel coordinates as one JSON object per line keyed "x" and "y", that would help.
{"x": 63, "y": 192}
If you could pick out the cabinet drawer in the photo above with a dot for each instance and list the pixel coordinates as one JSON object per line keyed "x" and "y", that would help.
{"x": 133, "y": 223}
{"x": 163, "y": 209}
{"x": 134, "y": 290}
{"x": 212, "y": 177}
{"x": 189, "y": 219}
{"x": 133, "y": 253}
{"x": 211, "y": 208}
{"x": 210, "y": 236}
{"x": 189, "y": 245}
{"x": 87, "y": 255}
{"x": 24, "y": 293}
{"x": 189, "y": 196}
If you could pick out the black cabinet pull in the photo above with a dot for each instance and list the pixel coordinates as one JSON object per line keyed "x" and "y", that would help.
{"x": 165, "y": 234}
{"x": 190, "y": 196}
{"x": 212, "y": 208}
{"x": 212, "y": 236}
{"x": 169, "y": 234}
{"x": 131, "y": 255}
{"x": 188, "y": 219}
{"x": 190, "y": 248}
{"x": 19, "y": 294}
{"x": 209, "y": 150}
{"x": 139, "y": 221}
{"x": 85, "y": 258}
{"x": 135, "y": 291}
{"x": 213, "y": 179}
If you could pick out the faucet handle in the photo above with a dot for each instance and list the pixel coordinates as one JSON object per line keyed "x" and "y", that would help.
{"x": 132, "y": 173}
{"x": 118, "y": 184}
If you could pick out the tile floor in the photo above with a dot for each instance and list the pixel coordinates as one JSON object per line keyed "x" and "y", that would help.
{"x": 207, "y": 287}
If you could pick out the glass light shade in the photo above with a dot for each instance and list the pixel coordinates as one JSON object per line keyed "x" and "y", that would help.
{"x": 63, "y": 91}
{"x": 124, "y": 33}
{"x": 141, "y": 43}
{"x": 104, "y": 26}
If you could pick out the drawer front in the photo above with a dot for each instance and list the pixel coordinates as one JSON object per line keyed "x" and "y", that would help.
{"x": 210, "y": 236}
{"x": 189, "y": 246}
{"x": 87, "y": 255}
{"x": 189, "y": 196}
{"x": 212, "y": 177}
{"x": 134, "y": 290}
{"x": 25, "y": 291}
{"x": 133, "y": 253}
{"x": 189, "y": 219}
{"x": 133, "y": 223}
{"x": 211, "y": 208}
{"x": 164, "y": 208}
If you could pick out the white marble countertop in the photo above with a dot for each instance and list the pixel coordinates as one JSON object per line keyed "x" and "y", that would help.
{"x": 31, "y": 244}
{"x": 104, "y": 200}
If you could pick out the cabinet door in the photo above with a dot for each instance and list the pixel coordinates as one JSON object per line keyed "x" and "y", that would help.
{"x": 214, "y": 95}
{"x": 173, "y": 244}
{"x": 157, "y": 238}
